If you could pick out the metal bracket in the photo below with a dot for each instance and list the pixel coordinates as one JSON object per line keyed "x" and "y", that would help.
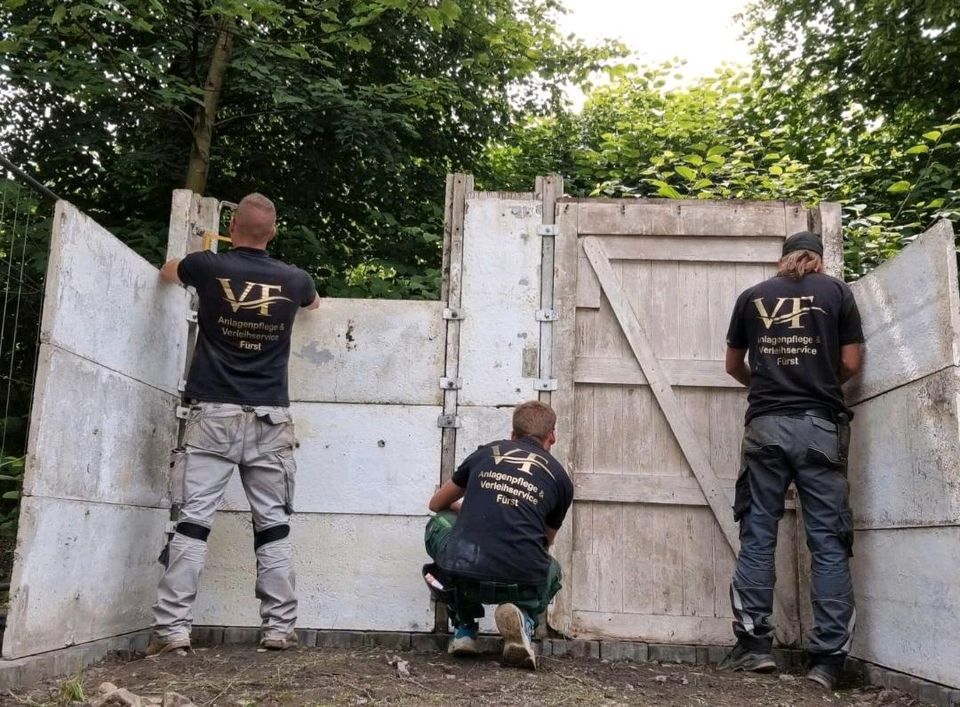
{"x": 452, "y": 314}
{"x": 182, "y": 385}
{"x": 545, "y": 384}
{"x": 546, "y": 230}
{"x": 182, "y": 412}
{"x": 547, "y": 315}
{"x": 192, "y": 316}
{"x": 451, "y": 383}
{"x": 448, "y": 421}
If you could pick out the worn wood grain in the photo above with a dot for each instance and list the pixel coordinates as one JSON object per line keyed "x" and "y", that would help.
{"x": 700, "y": 249}
{"x": 563, "y": 400}
{"x": 687, "y": 438}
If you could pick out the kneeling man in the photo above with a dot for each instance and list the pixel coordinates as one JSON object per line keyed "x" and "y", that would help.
{"x": 491, "y": 546}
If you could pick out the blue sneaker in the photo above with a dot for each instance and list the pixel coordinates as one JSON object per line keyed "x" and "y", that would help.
{"x": 517, "y": 631}
{"x": 464, "y": 641}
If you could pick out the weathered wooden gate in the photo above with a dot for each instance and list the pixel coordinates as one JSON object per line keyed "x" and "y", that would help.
{"x": 651, "y": 422}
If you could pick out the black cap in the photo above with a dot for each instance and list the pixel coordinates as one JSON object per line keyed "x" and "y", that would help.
{"x": 805, "y": 240}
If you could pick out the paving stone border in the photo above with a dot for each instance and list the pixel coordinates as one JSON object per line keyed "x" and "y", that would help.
{"x": 24, "y": 672}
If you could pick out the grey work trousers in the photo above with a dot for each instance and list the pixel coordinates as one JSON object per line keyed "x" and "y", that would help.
{"x": 810, "y": 451}
{"x": 260, "y": 440}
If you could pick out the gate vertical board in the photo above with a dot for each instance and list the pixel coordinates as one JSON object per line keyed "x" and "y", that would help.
{"x": 566, "y": 267}
{"x": 650, "y": 286}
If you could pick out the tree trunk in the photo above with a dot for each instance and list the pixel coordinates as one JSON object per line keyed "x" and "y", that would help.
{"x": 203, "y": 122}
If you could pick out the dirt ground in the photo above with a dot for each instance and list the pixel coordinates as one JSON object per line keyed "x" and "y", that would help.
{"x": 242, "y": 676}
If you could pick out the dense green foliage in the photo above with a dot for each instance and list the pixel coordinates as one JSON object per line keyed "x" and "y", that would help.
{"x": 852, "y": 101}
{"x": 347, "y": 112}
{"x": 726, "y": 137}
{"x": 350, "y": 112}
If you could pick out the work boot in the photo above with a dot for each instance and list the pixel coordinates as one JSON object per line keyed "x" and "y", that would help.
{"x": 280, "y": 643}
{"x": 464, "y": 641}
{"x": 753, "y": 659}
{"x": 517, "y": 630}
{"x": 159, "y": 646}
{"x": 825, "y": 674}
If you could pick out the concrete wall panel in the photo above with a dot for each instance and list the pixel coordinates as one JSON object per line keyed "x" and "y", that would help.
{"x": 500, "y": 336}
{"x": 907, "y": 584}
{"x": 910, "y": 307}
{"x": 904, "y": 454}
{"x": 99, "y": 435}
{"x": 480, "y": 425}
{"x": 107, "y": 304}
{"x": 357, "y": 459}
{"x": 353, "y": 572}
{"x": 369, "y": 351}
{"x": 85, "y": 571}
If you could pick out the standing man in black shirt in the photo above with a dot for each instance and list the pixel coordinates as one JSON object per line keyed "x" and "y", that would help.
{"x": 493, "y": 549}
{"x": 239, "y": 416}
{"x": 802, "y": 330}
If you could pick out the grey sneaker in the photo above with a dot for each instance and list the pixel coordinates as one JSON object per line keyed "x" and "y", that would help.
{"x": 825, "y": 674}
{"x": 280, "y": 643}
{"x": 515, "y": 628}
{"x": 754, "y": 660}
{"x": 159, "y": 647}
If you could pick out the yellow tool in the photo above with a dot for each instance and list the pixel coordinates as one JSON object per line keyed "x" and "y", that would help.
{"x": 211, "y": 237}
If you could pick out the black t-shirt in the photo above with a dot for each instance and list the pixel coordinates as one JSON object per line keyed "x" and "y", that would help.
{"x": 794, "y": 330}
{"x": 247, "y": 304}
{"x": 514, "y": 491}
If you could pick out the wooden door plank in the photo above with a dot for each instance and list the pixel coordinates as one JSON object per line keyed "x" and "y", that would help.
{"x": 666, "y": 397}
{"x": 653, "y": 559}
{"x": 693, "y": 297}
{"x": 560, "y": 614}
{"x": 629, "y": 487}
{"x": 703, "y": 249}
{"x": 654, "y": 628}
{"x": 608, "y": 548}
{"x": 698, "y": 562}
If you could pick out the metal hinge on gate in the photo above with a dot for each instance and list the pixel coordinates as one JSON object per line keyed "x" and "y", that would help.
{"x": 448, "y": 421}
{"x": 546, "y": 230}
{"x": 182, "y": 385}
{"x": 452, "y": 314}
{"x": 451, "y": 383}
{"x": 182, "y": 412}
{"x": 192, "y": 317}
{"x": 545, "y": 384}
{"x": 547, "y": 315}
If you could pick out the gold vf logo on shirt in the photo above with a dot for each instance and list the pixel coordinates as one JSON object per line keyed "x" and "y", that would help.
{"x": 783, "y": 312}
{"x": 524, "y": 461}
{"x": 261, "y": 303}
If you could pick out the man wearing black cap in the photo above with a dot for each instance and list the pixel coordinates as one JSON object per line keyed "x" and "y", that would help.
{"x": 802, "y": 331}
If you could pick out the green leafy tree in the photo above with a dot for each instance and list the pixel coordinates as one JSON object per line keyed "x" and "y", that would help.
{"x": 898, "y": 58}
{"x": 347, "y": 112}
{"x": 742, "y": 135}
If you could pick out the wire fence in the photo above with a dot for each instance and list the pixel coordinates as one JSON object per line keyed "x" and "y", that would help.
{"x": 26, "y": 213}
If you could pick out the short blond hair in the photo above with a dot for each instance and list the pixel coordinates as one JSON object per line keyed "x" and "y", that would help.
{"x": 534, "y": 419}
{"x": 255, "y": 217}
{"x": 799, "y": 263}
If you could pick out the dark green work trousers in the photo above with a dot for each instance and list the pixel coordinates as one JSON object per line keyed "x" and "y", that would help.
{"x": 466, "y": 596}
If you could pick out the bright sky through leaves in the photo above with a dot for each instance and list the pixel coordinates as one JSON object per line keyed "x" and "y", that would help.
{"x": 703, "y": 32}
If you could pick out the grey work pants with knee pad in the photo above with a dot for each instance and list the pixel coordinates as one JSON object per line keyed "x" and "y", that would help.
{"x": 810, "y": 450}
{"x": 260, "y": 441}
